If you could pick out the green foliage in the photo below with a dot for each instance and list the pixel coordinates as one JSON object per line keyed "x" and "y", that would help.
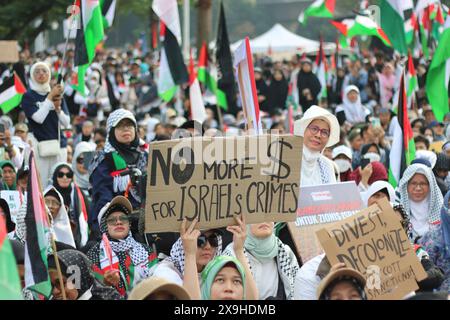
{"x": 17, "y": 17}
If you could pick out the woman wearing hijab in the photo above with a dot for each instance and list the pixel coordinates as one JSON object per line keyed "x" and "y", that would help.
{"x": 5, "y": 212}
{"x": 272, "y": 263}
{"x": 89, "y": 287}
{"x": 377, "y": 191}
{"x": 110, "y": 173}
{"x": 223, "y": 279}
{"x": 387, "y": 83}
{"x": 119, "y": 259}
{"x": 81, "y": 177}
{"x": 75, "y": 201}
{"x": 97, "y": 102}
{"x": 308, "y": 86}
{"x": 319, "y": 129}
{"x": 421, "y": 198}
{"x": 277, "y": 93}
{"x": 60, "y": 219}
{"x": 354, "y": 111}
{"x": 194, "y": 250}
{"x": 42, "y": 106}
{"x": 9, "y": 176}
{"x": 437, "y": 244}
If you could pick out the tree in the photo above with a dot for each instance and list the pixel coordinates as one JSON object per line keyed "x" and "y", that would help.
{"x": 17, "y": 17}
{"x": 204, "y": 22}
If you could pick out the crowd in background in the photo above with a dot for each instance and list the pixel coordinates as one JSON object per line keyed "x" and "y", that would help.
{"x": 104, "y": 137}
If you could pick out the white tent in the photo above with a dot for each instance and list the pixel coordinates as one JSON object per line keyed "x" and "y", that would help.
{"x": 279, "y": 39}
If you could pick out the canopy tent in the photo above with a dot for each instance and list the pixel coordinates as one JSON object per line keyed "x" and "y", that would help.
{"x": 280, "y": 39}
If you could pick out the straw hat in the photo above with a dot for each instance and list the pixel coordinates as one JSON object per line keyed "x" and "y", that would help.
{"x": 153, "y": 285}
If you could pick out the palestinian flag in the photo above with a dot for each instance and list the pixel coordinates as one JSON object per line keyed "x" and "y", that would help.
{"x": 439, "y": 75}
{"x": 411, "y": 27}
{"x": 413, "y": 84}
{"x": 108, "y": 12}
{"x": 198, "y": 111}
{"x": 89, "y": 35}
{"x": 10, "y": 288}
{"x": 393, "y": 22}
{"x": 321, "y": 71}
{"x": 319, "y": 8}
{"x": 83, "y": 227}
{"x": 11, "y": 92}
{"x": 172, "y": 70}
{"x": 403, "y": 149}
{"x": 167, "y": 11}
{"x": 208, "y": 80}
{"x": 224, "y": 60}
{"x": 37, "y": 242}
{"x": 364, "y": 26}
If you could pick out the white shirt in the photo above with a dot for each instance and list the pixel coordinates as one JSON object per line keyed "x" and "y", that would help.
{"x": 308, "y": 280}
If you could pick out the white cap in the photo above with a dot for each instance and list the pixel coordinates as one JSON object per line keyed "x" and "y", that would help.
{"x": 342, "y": 150}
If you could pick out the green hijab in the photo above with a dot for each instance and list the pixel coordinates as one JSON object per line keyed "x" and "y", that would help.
{"x": 7, "y": 163}
{"x": 262, "y": 249}
{"x": 213, "y": 268}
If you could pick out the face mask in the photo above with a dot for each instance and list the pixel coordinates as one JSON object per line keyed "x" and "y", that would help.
{"x": 343, "y": 165}
{"x": 430, "y": 139}
{"x": 93, "y": 83}
{"x": 372, "y": 156}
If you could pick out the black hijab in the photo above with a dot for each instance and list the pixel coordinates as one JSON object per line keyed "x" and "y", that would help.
{"x": 278, "y": 91}
{"x": 129, "y": 152}
{"x": 65, "y": 192}
{"x": 10, "y": 225}
{"x": 70, "y": 257}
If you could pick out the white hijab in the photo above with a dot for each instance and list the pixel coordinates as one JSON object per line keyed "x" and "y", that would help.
{"x": 354, "y": 111}
{"x": 42, "y": 89}
{"x": 61, "y": 224}
{"x": 311, "y": 174}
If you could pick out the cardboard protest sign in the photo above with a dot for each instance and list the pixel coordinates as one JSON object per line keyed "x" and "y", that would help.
{"x": 374, "y": 243}
{"x": 14, "y": 200}
{"x": 319, "y": 206}
{"x": 9, "y": 52}
{"x": 214, "y": 179}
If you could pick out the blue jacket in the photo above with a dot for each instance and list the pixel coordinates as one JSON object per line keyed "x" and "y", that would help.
{"x": 48, "y": 130}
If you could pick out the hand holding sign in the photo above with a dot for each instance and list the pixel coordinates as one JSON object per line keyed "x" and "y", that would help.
{"x": 189, "y": 237}
{"x": 239, "y": 234}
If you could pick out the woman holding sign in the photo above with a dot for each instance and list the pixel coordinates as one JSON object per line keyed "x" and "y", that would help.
{"x": 319, "y": 129}
{"x": 421, "y": 198}
{"x": 272, "y": 263}
{"x": 114, "y": 169}
{"x": 194, "y": 250}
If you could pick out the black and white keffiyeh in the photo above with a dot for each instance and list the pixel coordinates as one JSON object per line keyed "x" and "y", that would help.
{"x": 435, "y": 200}
{"x": 177, "y": 253}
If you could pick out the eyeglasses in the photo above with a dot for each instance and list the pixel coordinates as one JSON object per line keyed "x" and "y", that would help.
{"x": 80, "y": 160}
{"x": 67, "y": 174}
{"x": 125, "y": 126}
{"x": 422, "y": 185}
{"x": 212, "y": 239}
{"x": 324, "y": 133}
{"x": 113, "y": 220}
{"x": 52, "y": 203}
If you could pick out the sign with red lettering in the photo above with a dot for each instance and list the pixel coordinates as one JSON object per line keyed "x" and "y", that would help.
{"x": 212, "y": 179}
{"x": 319, "y": 206}
{"x": 374, "y": 243}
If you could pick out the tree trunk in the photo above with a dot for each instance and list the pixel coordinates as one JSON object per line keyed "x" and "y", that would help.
{"x": 204, "y": 22}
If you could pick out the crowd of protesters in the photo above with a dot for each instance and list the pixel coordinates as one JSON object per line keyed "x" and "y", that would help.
{"x": 92, "y": 150}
